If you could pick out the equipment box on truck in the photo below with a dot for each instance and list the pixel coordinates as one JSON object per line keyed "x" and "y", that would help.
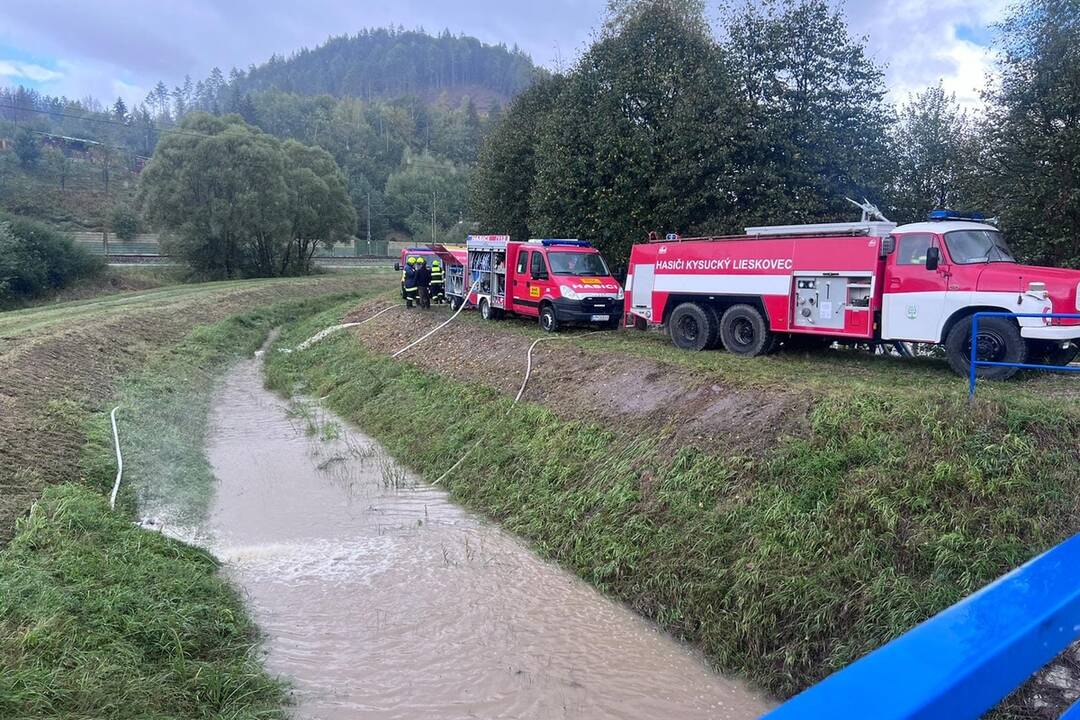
{"x": 868, "y": 281}
{"x": 557, "y": 281}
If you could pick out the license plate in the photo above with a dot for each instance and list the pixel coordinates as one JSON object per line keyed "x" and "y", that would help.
{"x": 600, "y": 318}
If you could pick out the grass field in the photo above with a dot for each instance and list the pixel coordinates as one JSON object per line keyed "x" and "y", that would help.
{"x": 99, "y": 618}
{"x": 890, "y": 498}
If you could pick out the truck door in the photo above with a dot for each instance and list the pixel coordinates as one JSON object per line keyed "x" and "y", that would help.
{"x": 519, "y": 284}
{"x": 642, "y": 289}
{"x": 537, "y": 281}
{"x": 913, "y": 301}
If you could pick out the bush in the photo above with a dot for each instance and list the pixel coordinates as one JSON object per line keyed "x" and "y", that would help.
{"x": 34, "y": 259}
{"x": 125, "y": 223}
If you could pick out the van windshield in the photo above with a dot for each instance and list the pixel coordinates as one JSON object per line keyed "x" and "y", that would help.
{"x": 577, "y": 263}
{"x": 968, "y": 247}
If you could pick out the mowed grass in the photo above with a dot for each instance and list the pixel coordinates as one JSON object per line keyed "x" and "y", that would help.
{"x": 100, "y": 619}
{"x": 895, "y": 503}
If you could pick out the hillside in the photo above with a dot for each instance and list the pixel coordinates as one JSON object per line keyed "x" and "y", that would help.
{"x": 387, "y": 63}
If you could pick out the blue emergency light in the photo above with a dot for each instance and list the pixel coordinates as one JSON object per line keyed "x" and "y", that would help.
{"x": 568, "y": 243}
{"x": 946, "y": 214}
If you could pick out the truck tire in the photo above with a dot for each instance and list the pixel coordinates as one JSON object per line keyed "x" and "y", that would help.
{"x": 745, "y": 332}
{"x": 486, "y": 311}
{"x": 549, "y": 320}
{"x": 690, "y": 326}
{"x": 455, "y": 303}
{"x": 714, "y": 328}
{"x": 999, "y": 341}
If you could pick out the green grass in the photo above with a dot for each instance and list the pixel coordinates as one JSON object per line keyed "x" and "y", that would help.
{"x": 894, "y": 503}
{"x": 101, "y": 619}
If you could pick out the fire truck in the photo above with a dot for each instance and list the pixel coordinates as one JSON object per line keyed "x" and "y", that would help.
{"x": 559, "y": 282}
{"x": 864, "y": 282}
{"x": 448, "y": 255}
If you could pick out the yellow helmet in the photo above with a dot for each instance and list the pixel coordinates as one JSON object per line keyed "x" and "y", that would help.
{"x": 411, "y": 260}
{"x": 435, "y": 263}
{"x": 420, "y": 260}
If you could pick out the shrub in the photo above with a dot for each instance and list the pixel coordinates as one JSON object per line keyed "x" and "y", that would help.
{"x": 125, "y": 223}
{"x": 34, "y": 259}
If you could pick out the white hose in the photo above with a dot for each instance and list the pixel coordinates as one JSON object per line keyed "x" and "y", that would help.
{"x": 335, "y": 328}
{"x": 428, "y": 334}
{"x": 119, "y": 460}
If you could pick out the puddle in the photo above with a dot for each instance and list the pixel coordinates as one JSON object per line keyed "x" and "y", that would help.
{"x": 382, "y": 599}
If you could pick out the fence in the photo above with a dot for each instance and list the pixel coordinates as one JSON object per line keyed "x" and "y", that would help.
{"x": 976, "y": 363}
{"x": 962, "y": 662}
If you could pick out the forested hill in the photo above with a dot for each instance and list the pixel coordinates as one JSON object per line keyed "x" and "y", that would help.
{"x": 387, "y": 63}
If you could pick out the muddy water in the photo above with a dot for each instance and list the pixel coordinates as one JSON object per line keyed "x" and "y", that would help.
{"x": 382, "y": 599}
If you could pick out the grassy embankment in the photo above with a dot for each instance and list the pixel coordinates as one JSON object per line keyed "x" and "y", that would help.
{"x": 784, "y": 563}
{"x": 101, "y": 619}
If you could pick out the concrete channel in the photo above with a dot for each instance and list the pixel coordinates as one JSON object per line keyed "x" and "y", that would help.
{"x": 380, "y": 598}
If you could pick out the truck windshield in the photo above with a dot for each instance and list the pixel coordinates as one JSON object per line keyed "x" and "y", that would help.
{"x": 576, "y": 263}
{"x": 968, "y": 247}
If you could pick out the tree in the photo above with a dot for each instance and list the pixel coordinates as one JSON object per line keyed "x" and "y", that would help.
{"x": 425, "y": 186}
{"x": 320, "y": 211}
{"x": 934, "y": 150}
{"x": 820, "y": 120}
{"x": 124, "y": 223}
{"x": 1031, "y": 132}
{"x": 59, "y": 165}
{"x": 27, "y": 148}
{"x": 643, "y": 136}
{"x": 219, "y": 190}
{"x": 506, "y": 170}
{"x": 119, "y": 110}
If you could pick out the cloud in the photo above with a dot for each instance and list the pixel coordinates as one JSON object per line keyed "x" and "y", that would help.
{"x": 27, "y": 71}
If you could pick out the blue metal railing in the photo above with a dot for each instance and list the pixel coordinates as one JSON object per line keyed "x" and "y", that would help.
{"x": 976, "y": 363}
{"x": 963, "y": 661}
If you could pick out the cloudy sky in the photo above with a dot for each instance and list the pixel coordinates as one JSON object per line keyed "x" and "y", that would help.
{"x": 108, "y": 48}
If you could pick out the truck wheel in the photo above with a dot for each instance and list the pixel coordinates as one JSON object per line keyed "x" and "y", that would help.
{"x": 745, "y": 332}
{"x": 614, "y": 323}
{"x": 549, "y": 321}
{"x": 999, "y": 341}
{"x": 714, "y": 328}
{"x": 455, "y": 303}
{"x": 690, "y": 326}
{"x": 486, "y": 311}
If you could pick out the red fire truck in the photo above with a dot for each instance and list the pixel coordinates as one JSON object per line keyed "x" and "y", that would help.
{"x": 869, "y": 281}
{"x": 557, "y": 281}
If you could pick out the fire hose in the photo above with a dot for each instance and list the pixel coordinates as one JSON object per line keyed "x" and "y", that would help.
{"x": 119, "y": 460}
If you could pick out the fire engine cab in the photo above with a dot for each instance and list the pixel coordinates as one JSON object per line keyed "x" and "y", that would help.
{"x": 869, "y": 281}
{"x": 557, "y": 281}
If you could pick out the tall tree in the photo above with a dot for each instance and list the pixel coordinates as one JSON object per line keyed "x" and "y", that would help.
{"x": 820, "y": 118}
{"x": 320, "y": 212}
{"x": 27, "y": 148}
{"x": 934, "y": 151}
{"x": 119, "y": 110}
{"x": 1032, "y": 131}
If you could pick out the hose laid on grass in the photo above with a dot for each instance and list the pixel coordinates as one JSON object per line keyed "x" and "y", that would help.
{"x": 517, "y": 398}
{"x": 335, "y": 328}
{"x": 428, "y": 334}
{"x": 119, "y": 460}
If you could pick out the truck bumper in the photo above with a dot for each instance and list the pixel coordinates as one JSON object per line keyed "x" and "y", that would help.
{"x": 1051, "y": 332}
{"x": 589, "y": 310}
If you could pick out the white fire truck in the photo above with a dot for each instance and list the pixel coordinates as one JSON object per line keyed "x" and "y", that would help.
{"x": 868, "y": 281}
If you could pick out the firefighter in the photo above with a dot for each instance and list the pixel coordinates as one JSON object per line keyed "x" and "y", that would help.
{"x": 408, "y": 277}
{"x": 423, "y": 282}
{"x": 438, "y": 294}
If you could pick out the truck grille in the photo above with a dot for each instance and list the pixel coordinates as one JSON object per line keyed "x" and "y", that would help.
{"x": 607, "y": 305}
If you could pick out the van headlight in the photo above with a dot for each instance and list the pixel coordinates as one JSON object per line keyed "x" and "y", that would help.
{"x": 569, "y": 293}
{"x": 621, "y": 294}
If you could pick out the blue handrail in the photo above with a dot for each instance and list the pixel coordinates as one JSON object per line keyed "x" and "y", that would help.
{"x": 960, "y": 663}
{"x": 976, "y": 363}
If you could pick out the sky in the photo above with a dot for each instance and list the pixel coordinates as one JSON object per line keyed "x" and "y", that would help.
{"x": 110, "y": 48}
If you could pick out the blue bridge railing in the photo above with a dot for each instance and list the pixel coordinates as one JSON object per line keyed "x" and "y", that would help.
{"x": 976, "y": 363}
{"x": 963, "y": 661}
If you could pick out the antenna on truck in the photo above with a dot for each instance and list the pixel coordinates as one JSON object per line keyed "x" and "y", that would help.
{"x": 869, "y": 210}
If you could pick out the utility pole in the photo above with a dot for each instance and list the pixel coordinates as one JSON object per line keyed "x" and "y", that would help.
{"x": 433, "y": 217}
{"x": 369, "y": 223}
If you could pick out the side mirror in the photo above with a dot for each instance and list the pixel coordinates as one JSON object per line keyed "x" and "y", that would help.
{"x": 397, "y": 266}
{"x": 888, "y": 245}
{"x": 933, "y": 257}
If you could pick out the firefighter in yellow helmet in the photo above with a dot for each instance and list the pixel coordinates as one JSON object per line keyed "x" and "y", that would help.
{"x": 438, "y": 294}
{"x": 408, "y": 281}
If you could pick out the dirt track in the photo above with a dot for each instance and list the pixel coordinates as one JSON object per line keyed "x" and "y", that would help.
{"x": 577, "y": 383}
{"x": 74, "y": 353}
